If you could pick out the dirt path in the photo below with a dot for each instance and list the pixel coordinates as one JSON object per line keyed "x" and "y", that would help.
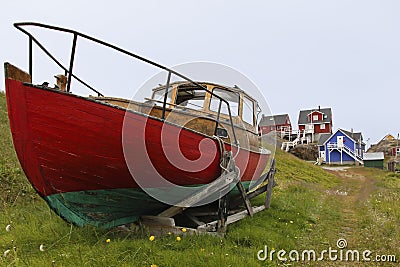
{"x": 353, "y": 190}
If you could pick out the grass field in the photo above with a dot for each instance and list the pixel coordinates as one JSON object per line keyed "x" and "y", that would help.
{"x": 311, "y": 209}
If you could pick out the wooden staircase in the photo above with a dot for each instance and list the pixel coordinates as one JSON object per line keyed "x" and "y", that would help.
{"x": 347, "y": 150}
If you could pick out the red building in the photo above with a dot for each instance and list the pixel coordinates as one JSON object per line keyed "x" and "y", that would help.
{"x": 315, "y": 121}
{"x": 275, "y": 123}
{"x": 396, "y": 151}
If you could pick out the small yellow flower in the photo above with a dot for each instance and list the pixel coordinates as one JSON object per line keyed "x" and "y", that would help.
{"x": 184, "y": 230}
{"x": 169, "y": 233}
{"x": 151, "y": 238}
{"x": 178, "y": 238}
{"x": 291, "y": 221}
{"x": 295, "y": 237}
{"x": 202, "y": 250}
{"x": 108, "y": 240}
{"x": 153, "y": 265}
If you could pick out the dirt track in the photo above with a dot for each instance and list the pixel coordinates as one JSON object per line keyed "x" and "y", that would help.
{"x": 353, "y": 191}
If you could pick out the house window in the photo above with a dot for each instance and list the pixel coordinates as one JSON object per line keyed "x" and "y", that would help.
{"x": 315, "y": 117}
{"x": 322, "y": 126}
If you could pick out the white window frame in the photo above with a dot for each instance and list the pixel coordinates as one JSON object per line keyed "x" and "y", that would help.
{"x": 322, "y": 127}
{"x": 233, "y": 104}
{"x": 248, "y": 110}
{"x": 315, "y": 117}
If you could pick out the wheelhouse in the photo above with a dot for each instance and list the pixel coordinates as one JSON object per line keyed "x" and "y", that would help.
{"x": 191, "y": 98}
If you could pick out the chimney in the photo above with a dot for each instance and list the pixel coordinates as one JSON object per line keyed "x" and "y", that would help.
{"x": 319, "y": 108}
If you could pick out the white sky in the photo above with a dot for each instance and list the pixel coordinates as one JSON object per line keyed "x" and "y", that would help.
{"x": 341, "y": 54}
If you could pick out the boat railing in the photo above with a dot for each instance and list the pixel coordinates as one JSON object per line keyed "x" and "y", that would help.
{"x": 69, "y": 71}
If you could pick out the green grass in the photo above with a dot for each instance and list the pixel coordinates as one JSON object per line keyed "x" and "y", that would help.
{"x": 12, "y": 179}
{"x": 284, "y": 226}
{"x": 292, "y": 169}
{"x": 302, "y": 216}
{"x": 381, "y": 225}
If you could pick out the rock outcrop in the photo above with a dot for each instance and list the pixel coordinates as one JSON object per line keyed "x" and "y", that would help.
{"x": 306, "y": 152}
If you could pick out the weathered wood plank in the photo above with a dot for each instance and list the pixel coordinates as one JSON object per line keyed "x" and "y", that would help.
{"x": 211, "y": 226}
{"x": 194, "y": 219}
{"x": 14, "y": 73}
{"x": 212, "y": 187}
{"x": 246, "y": 200}
{"x": 270, "y": 185}
{"x": 157, "y": 220}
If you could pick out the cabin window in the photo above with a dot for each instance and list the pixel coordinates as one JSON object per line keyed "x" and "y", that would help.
{"x": 315, "y": 117}
{"x": 231, "y": 97}
{"x": 322, "y": 127}
{"x": 191, "y": 98}
{"x": 248, "y": 111}
{"x": 159, "y": 95}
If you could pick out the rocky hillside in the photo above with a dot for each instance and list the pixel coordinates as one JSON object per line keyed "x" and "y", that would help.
{"x": 384, "y": 146}
{"x": 306, "y": 152}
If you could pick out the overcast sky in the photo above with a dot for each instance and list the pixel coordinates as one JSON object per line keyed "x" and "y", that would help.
{"x": 301, "y": 54}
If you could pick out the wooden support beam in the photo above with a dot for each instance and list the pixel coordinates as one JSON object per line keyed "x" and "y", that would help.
{"x": 215, "y": 187}
{"x": 157, "y": 220}
{"x": 236, "y": 201}
{"x": 231, "y": 219}
{"x": 222, "y": 214}
{"x": 194, "y": 219}
{"x": 270, "y": 185}
{"x": 159, "y": 225}
{"x": 240, "y": 215}
{"x": 246, "y": 200}
{"x": 209, "y": 213}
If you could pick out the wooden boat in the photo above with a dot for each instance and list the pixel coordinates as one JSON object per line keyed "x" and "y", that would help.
{"x": 93, "y": 159}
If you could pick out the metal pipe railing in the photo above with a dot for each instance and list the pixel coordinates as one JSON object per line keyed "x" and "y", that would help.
{"x": 68, "y": 71}
{"x": 71, "y": 62}
{"x": 166, "y": 96}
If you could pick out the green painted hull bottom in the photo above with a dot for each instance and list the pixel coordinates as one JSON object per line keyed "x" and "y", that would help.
{"x": 107, "y": 208}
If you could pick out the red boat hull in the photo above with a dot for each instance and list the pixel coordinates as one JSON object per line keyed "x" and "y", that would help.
{"x": 67, "y": 143}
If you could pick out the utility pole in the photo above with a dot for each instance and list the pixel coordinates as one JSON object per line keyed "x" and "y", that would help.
{"x": 397, "y": 146}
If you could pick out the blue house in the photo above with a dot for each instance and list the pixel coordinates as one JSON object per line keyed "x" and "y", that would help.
{"x": 341, "y": 147}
